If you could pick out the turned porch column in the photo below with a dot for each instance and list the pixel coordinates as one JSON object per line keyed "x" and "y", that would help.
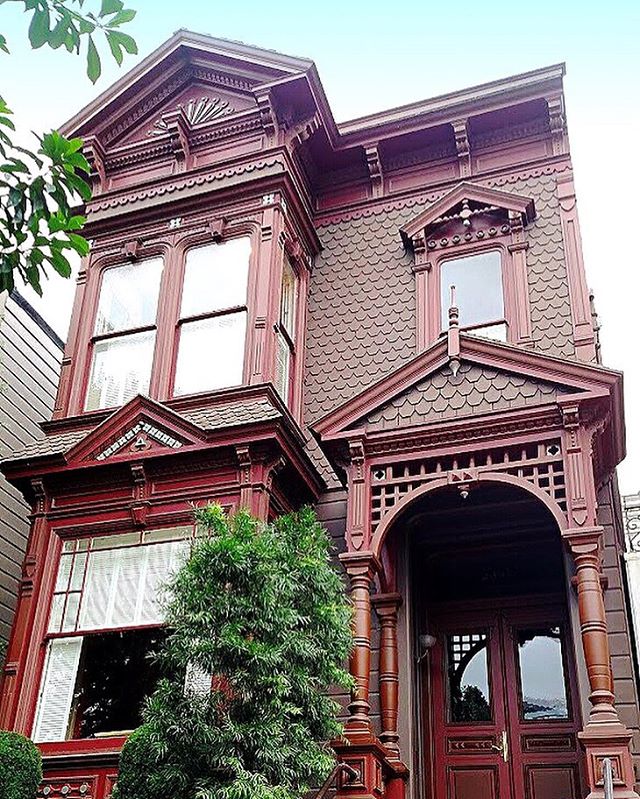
{"x": 585, "y": 549}
{"x": 386, "y": 606}
{"x": 361, "y": 568}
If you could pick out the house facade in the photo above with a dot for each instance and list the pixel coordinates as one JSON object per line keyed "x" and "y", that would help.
{"x": 30, "y": 356}
{"x": 387, "y": 318}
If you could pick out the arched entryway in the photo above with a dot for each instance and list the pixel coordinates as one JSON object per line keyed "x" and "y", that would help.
{"x": 488, "y": 680}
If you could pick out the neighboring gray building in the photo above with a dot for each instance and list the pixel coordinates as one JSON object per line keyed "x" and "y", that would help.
{"x": 30, "y": 355}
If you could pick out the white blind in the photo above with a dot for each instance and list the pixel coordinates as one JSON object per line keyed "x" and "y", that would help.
{"x": 283, "y": 361}
{"x": 123, "y": 586}
{"x": 56, "y": 694}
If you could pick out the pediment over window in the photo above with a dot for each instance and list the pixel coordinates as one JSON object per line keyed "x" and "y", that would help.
{"x": 465, "y": 214}
{"x": 139, "y": 427}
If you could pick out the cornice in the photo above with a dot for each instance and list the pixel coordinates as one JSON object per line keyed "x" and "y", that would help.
{"x": 417, "y": 197}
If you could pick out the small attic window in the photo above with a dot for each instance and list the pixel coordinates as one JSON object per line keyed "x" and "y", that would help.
{"x": 479, "y": 293}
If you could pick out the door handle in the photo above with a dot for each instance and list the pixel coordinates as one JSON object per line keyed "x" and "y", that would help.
{"x": 503, "y": 747}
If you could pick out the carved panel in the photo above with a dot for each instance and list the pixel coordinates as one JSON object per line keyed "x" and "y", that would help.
{"x": 470, "y": 745}
{"x": 68, "y": 788}
{"x": 548, "y": 743}
{"x": 631, "y": 509}
{"x": 480, "y": 782}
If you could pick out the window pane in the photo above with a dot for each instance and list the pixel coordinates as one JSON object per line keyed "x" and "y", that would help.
{"x": 478, "y": 282}
{"x": 114, "y": 676}
{"x": 211, "y": 354}
{"x": 288, "y": 299}
{"x": 543, "y": 688}
{"x": 283, "y": 366}
{"x": 468, "y": 673}
{"x": 129, "y": 296}
{"x": 215, "y": 277}
{"x": 495, "y": 332}
{"x": 121, "y": 369}
{"x": 58, "y": 679}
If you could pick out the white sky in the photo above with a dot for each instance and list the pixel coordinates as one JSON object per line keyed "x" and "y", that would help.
{"x": 373, "y": 56}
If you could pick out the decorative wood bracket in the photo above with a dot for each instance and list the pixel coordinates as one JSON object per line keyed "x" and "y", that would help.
{"x": 374, "y": 165}
{"x": 95, "y": 155}
{"x": 177, "y": 126}
{"x": 268, "y": 117}
{"x": 557, "y": 124}
{"x": 216, "y": 228}
{"x": 463, "y": 146}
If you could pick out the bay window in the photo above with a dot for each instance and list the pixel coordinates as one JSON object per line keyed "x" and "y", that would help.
{"x": 106, "y": 616}
{"x": 124, "y": 334}
{"x": 213, "y": 317}
{"x": 479, "y": 294}
{"x": 286, "y": 331}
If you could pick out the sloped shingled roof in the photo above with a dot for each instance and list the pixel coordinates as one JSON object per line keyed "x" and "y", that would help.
{"x": 212, "y": 418}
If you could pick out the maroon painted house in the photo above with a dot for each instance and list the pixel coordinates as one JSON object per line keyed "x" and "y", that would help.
{"x": 268, "y": 318}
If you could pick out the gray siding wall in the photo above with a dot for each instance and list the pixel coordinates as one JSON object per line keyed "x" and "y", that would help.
{"x": 30, "y": 355}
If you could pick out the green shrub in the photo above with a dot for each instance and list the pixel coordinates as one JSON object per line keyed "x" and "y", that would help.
{"x": 20, "y": 767}
{"x": 261, "y": 607}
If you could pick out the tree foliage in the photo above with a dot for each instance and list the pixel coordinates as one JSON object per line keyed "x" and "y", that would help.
{"x": 259, "y": 607}
{"x": 20, "y": 767}
{"x": 40, "y": 190}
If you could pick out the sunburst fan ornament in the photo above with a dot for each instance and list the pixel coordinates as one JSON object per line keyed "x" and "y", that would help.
{"x": 197, "y": 111}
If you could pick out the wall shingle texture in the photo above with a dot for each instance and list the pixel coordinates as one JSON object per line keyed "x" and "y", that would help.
{"x": 474, "y": 390}
{"x": 362, "y": 305}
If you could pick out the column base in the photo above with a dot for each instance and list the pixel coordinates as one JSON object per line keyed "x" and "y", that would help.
{"x": 611, "y": 741}
{"x": 378, "y": 774}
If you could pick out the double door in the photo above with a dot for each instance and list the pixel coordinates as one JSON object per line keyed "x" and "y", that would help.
{"x": 503, "y": 716}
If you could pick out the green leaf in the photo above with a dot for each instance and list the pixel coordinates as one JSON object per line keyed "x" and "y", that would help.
{"x": 93, "y": 62}
{"x": 86, "y": 26}
{"x": 59, "y": 262}
{"x": 58, "y": 35}
{"x": 124, "y": 16}
{"x": 39, "y": 28}
{"x": 115, "y": 47}
{"x": 110, "y": 7}
{"x": 79, "y": 185}
{"x": 124, "y": 40}
{"x": 3, "y": 43}
{"x": 79, "y": 244}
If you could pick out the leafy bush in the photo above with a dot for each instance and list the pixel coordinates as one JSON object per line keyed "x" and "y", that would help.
{"x": 20, "y": 767}
{"x": 259, "y": 607}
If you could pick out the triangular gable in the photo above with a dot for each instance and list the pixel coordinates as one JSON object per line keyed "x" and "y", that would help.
{"x": 483, "y": 199}
{"x": 188, "y": 67}
{"x": 524, "y": 377}
{"x": 140, "y": 426}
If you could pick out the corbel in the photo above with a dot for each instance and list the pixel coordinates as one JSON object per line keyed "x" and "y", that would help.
{"x": 177, "y": 126}
{"x": 300, "y": 133}
{"x": 95, "y": 155}
{"x": 557, "y": 124}
{"x": 374, "y": 165}
{"x": 268, "y": 117}
{"x": 419, "y": 249}
{"x": 131, "y": 249}
{"x": 463, "y": 146}
{"x": 39, "y": 495}
{"x": 216, "y": 228}
{"x": 139, "y": 508}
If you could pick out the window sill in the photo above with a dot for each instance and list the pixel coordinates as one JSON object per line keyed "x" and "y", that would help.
{"x": 82, "y": 748}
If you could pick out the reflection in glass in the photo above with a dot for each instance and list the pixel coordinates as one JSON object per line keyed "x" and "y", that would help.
{"x": 478, "y": 282}
{"x": 468, "y": 676}
{"x": 543, "y": 688}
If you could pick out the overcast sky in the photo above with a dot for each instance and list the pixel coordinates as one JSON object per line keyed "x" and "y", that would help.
{"x": 374, "y": 55}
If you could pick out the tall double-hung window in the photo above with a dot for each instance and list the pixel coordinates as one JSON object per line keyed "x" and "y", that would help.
{"x": 124, "y": 334}
{"x": 213, "y": 317}
{"x": 286, "y": 331}
{"x": 106, "y": 618}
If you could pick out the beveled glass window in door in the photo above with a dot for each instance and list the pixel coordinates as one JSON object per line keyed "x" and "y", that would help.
{"x": 479, "y": 294}
{"x": 468, "y": 677}
{"x": 124, "y": 335}
{"x": 543, "y": 691}
{"x": 213, "y": 317}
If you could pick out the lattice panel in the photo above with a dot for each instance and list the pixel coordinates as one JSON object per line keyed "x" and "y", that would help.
{"x": 631, "y": 508}
{"x": 540, "y": 463}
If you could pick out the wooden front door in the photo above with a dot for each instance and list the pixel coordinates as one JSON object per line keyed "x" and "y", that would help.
{"x": 503, "y": 716}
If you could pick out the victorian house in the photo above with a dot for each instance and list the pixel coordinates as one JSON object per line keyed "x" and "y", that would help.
{"x": 388, "y": 318}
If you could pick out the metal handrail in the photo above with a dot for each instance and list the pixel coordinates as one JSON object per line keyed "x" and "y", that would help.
{"x": 351, "y": 773}
{"x": 607, "y": 777}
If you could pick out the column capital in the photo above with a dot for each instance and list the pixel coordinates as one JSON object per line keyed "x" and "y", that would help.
{"x": 387, "y": 605}
{"x": 584, "y": 540}
{"x": 360, "y": 564}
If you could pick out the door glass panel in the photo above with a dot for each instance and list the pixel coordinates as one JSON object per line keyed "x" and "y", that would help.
{"x": 542, "y": 680}
{"x": 468, "y": 677}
